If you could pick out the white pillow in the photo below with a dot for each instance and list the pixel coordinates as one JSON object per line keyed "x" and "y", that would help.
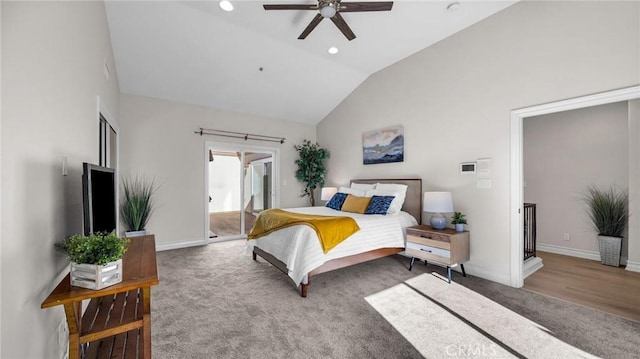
{"x": 402, "y": 188}
{"x": 353, "y": 191}
{"x": 363, "y": 186}
{"x": 395, "y": 187}
{"x": 396, "y": 204}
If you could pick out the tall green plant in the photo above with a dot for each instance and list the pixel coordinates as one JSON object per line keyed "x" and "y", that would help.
{"x": 608, "y": 210}
{"x": 137, "y": 203}
{"x": 311, "y": 167}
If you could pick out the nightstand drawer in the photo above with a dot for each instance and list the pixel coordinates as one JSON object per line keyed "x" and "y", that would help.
{"x": 427, "y": 241}
{"x": 427, "y": 252}
{"x": 428, "y": 235}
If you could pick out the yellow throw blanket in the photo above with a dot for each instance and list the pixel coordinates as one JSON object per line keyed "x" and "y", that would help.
{"x": 331, "y": 230}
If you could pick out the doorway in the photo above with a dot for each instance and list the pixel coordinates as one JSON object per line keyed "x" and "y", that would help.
{"x": 108, "y": 147}
{"x": 517, "y": 182}
{"x": 240, "y": 181}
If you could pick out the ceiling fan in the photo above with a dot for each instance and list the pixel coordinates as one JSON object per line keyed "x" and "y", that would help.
{"x": 332, "y": 10}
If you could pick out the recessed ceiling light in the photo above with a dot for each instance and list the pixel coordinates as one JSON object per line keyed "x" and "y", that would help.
{"x": 226, "y": 5}
{"x": 454, "y": 6}
{"x": 333, "y": 50}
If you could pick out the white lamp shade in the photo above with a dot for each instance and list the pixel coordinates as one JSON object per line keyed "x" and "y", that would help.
{"x": 437, "y": 202}
{"x": 327, "y": 193}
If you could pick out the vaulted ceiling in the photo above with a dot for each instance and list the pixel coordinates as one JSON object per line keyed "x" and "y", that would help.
{"x": 250, "y": 60}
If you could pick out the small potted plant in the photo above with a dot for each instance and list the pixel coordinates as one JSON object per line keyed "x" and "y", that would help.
{"x": 459, "y": 221}
{"x": 96, "y": 259}
{"x": 608, "y": 211}
{"x": 136, "y": 205}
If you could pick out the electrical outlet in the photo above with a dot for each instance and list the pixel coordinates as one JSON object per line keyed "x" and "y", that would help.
{"x": 567, "y": 237}
{"x": 63, "y": 339}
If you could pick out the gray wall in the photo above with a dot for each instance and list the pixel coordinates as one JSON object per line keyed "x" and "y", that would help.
{"x": 158, "y": 140}
{"x": 563, "y": 154}
{"x": 454, "y": 100}
{"x": 52, "y": 71}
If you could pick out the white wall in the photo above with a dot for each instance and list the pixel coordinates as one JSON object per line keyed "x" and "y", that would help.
{"x": 157, "y": 139}
{"x": 454, "y": 100}
{"x": 633, "y": 260}
{"x": 52, "y": 71}
{"x": 0, "y": 173}
{"x": 563, "y": 154}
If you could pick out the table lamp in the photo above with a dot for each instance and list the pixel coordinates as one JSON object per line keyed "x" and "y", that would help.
{"x": 438, "y": 203}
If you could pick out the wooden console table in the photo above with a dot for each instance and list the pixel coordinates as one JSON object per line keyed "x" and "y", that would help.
{"x": 118, "y": 318}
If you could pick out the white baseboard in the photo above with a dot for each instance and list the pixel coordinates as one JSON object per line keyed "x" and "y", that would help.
{"x": 478, "y": 271}
{"x": 178, "y": 245}
{"x": 194, "y": 243}
{"x": 633, "y": 266}
{"x": 530, "y": 266}
{"x": 487, "y": 274}
{"x": 572, "y": 252}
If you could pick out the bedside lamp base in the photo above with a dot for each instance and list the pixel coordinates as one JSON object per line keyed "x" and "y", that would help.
{"x": 438, "y": 221}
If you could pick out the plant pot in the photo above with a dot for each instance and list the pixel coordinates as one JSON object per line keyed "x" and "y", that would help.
{"x": 130, "y": 234}
{"x": 93, "y": 276}
{"x": 610, "y": 248}
{"x": 459, "y": 227}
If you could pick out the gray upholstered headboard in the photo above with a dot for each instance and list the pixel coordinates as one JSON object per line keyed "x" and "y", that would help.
{"x": 413, "y": 201}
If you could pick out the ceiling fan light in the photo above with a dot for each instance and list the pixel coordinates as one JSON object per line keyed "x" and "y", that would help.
{"x": 226, "y": 5}
{"x": 328, "y": 10}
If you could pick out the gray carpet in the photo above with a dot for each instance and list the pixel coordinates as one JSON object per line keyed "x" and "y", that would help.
{"x": 464, "y": 323}
{"x": 216, "y": 302}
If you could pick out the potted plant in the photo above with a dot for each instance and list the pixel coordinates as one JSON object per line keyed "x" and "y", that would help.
{"x": 608, "y": 211}
{"x": 136, "y": 205}
{"x": 459, "y": 220}
{"x": 96, "y": 259}
{"x": 311, "y": 167}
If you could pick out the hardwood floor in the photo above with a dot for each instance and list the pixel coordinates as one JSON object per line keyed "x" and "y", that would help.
{"x": 228, "y": 223}
{"x": 589, "y": 283}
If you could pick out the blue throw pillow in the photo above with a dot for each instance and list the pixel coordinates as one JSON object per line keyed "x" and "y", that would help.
{"x": 379, "y": 204}
{"x": 337, "y": 201}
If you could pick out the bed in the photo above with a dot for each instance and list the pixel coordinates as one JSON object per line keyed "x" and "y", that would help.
{"x": 296, "y": 250}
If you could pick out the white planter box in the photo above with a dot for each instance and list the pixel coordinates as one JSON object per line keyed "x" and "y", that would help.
{"x": 93, "y": 276}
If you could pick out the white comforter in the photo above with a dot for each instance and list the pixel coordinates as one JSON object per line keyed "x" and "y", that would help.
{"x": 299, "y": 247}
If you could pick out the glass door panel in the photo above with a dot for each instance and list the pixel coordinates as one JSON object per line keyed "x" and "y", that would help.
{"x": 224, "y": 193}
{"x": 240, "y": 186}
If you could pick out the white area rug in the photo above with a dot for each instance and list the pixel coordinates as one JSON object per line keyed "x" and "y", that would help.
{"x": 444, "y": 320}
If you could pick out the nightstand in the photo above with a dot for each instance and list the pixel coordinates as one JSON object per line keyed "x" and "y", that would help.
{"x": 445, "y": 247}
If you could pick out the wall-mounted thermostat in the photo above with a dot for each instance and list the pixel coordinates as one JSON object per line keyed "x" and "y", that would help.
{"x": 467, "y": 168}
{"x": 484, "y": 167}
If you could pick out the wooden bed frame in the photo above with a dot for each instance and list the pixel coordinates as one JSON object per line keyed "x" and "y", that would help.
{"x": 412, "y": 205}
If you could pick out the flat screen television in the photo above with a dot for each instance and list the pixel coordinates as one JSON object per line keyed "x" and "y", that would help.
{"x": 98, "y": 198}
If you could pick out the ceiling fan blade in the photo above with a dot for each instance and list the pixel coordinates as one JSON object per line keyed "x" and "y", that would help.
{"x": 342, "y": 25}
{"x": 365, "y": 6}
{"x": 312, "y": 25}
{"x": 290, "y": 6}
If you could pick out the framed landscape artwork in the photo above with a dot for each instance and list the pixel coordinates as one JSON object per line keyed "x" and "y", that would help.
{"x": 383, "y": 145}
